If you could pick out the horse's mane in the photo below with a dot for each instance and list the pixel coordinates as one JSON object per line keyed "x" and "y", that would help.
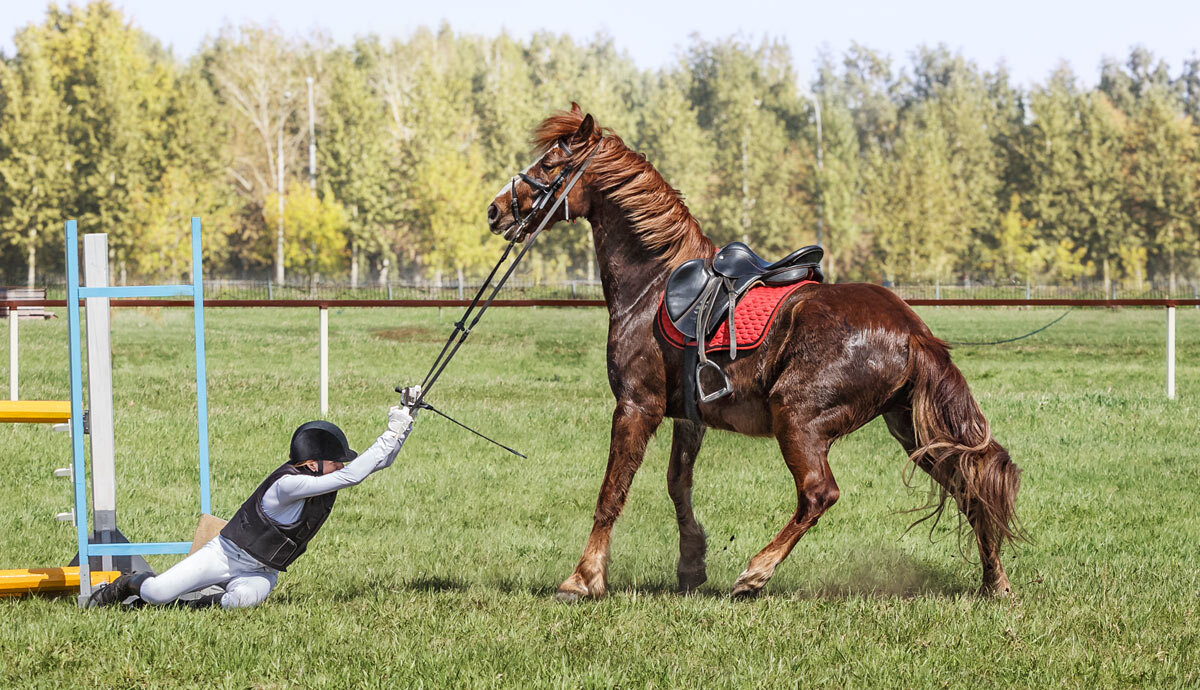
{"x": 661, "y": 221}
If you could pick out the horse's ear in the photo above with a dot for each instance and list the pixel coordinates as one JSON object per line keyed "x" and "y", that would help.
{"x": 586, "y": 128}
{"x": 576, "y": 109}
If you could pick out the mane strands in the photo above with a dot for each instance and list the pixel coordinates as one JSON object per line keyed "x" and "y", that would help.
{"x": 661, "y": 220}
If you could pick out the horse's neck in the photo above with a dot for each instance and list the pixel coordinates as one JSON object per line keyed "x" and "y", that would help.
{"x": 633, "y": 276}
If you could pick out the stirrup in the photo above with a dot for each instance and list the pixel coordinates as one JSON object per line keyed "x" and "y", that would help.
{"x": 728, "y": 388}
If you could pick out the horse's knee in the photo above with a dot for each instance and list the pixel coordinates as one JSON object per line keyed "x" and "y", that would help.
{"x": 830, "y": 496}
{"x": 820, "y": 499}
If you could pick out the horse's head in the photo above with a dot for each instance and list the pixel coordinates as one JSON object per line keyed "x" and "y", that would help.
{"x": 566, "y": 141}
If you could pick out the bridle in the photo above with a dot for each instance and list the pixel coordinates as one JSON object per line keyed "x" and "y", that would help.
{"x": 545, "y": 193}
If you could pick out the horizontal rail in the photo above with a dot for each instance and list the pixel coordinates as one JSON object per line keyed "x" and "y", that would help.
{"x": 139, "y": 549}
{"x": 339, "y": 303}
{"x": 137, "y": 291}
{"x": 322, "y": 303}
{"x": 1053, "y": 302}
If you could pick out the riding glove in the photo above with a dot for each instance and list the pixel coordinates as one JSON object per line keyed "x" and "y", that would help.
{"x": 399, "y": 420}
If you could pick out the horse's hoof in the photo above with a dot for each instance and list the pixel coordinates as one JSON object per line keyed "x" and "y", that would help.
{"x": 999, "y": 589}
{"x": 567, "y": 597}
{"x": 996, "y": 592}
{"x": 570, "y": 592}
{"x": 690, "y": 582}
{"x": 745, "y": 592}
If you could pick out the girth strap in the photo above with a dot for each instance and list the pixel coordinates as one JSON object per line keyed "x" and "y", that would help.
{"x": 690, "y": 366}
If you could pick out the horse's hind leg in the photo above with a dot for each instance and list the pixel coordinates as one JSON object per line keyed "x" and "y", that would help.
{"x": 806, "y": 453}
{"x": 899, "y": 421}
{"x": 685, "y": 444}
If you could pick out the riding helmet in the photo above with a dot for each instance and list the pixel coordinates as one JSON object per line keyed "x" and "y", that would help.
{"x": 320, "y": 440}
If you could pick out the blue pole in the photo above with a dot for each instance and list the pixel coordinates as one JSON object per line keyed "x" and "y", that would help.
{"x": 81, "y": 521}
{"x": 201, "y": 375}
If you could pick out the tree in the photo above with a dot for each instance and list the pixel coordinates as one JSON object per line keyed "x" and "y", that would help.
{"x": 1050, "y": 150}
{"x": 259, "y": 78}
{"x": 1016, "y": 252}
{"x": 35, "y": 158}
{"x": 836, "y": 187}
{"x": 114, "y": 84}
{"x": 1103, "y": 221}
{"x": 739, "y": 98}
{"x": 957, "y": 96}
{"x": 316, "y": 239}
{"x": 909, "y": 202}
{"x": 357, "y": 155}
{"x": 674, "y": 142}
{"x": 1162, "y": 168}
{"x": 427, "y": 84}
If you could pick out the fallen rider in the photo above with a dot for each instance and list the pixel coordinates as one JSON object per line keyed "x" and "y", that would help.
{"x": 273, "y": 527}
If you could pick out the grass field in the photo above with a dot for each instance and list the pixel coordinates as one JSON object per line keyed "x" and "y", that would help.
{"x": 440, "y": 571}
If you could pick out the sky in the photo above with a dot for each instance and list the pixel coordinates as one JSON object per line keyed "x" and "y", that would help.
{"x": 1031, "y": 37}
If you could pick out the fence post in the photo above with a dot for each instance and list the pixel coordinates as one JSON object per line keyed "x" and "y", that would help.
{"x": 324, "y": 360}
{"x": 102, "y": 441}
{"x": 1196, "y": 294}
{"x": 389, "y": 286}
{"x": 270, "y": 291}
{"x": 1170, "y": 353}
{"x": 13, "y": 318}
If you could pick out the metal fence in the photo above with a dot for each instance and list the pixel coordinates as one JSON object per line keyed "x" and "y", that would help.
{"x": 323, "y": 305}
{"x": 1183, "y": 290}
{"x": 236, "y": 289}
{"x": 518, "y": 289}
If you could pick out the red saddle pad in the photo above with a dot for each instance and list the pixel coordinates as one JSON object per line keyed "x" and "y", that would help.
{"x": 752, "y": 319}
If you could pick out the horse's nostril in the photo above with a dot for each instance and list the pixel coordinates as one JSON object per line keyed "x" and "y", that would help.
{"x": 493, "y": 213}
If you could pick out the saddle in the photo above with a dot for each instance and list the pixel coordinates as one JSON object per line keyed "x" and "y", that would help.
{"x": 702, "y": 294}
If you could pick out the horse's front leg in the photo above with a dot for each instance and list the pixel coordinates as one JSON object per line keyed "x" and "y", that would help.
{"x": 632, "y": 427}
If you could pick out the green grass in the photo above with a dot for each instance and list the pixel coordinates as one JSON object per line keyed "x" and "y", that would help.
{"x": 440, "y": 571}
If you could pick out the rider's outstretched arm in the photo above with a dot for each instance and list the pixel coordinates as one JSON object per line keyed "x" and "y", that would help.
{"x": 380, "y": 455}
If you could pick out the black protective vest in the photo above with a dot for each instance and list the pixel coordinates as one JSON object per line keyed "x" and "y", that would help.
{"x": 271, "y": 543}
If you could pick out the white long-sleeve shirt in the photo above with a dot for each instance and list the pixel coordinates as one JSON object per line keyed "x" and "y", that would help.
{"x": 285, "y": 498}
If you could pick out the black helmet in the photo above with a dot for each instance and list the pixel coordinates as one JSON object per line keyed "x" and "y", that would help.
{"x": 320, "y": 441}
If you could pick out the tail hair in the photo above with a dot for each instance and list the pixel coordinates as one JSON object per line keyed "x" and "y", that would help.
{"x": 955, "y": 446}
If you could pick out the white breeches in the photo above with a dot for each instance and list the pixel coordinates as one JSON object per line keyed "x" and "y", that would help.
{"x": 219, "y": 562}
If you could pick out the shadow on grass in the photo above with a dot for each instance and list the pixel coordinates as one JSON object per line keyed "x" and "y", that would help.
{"x": 903, "y": 577}
{"x": 436, "y": 583}
{"x": 881, "y": 575}
{"x": 877, "y": 575}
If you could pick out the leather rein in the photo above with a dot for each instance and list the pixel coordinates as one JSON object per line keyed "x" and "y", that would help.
{"x": 545, "y": 194}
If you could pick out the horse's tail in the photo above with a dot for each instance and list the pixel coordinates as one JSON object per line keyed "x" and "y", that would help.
{"x": 954, "y": 444}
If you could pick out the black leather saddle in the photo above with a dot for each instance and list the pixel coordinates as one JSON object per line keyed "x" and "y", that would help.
{"x": 702, "y": 293}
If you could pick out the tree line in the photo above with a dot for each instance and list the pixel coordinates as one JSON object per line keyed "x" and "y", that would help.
{"x": 929, "y": 170}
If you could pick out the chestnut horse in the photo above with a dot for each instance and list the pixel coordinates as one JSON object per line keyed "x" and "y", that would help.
{"x": 837, "y": 357}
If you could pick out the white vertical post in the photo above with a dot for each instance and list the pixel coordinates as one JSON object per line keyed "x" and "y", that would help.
{"x": 13, "y": 318}
{"x": 312, "y": 138}
{"x": 1170, "y": 353}
{"x": 324, "y": 361}
{"x": 99, "y": 378}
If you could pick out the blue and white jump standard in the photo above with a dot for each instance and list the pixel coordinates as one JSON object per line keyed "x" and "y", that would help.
{"x": 75, "y": 292}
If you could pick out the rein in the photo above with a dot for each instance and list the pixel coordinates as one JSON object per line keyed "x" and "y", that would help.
{"x": 461, "y": 328}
